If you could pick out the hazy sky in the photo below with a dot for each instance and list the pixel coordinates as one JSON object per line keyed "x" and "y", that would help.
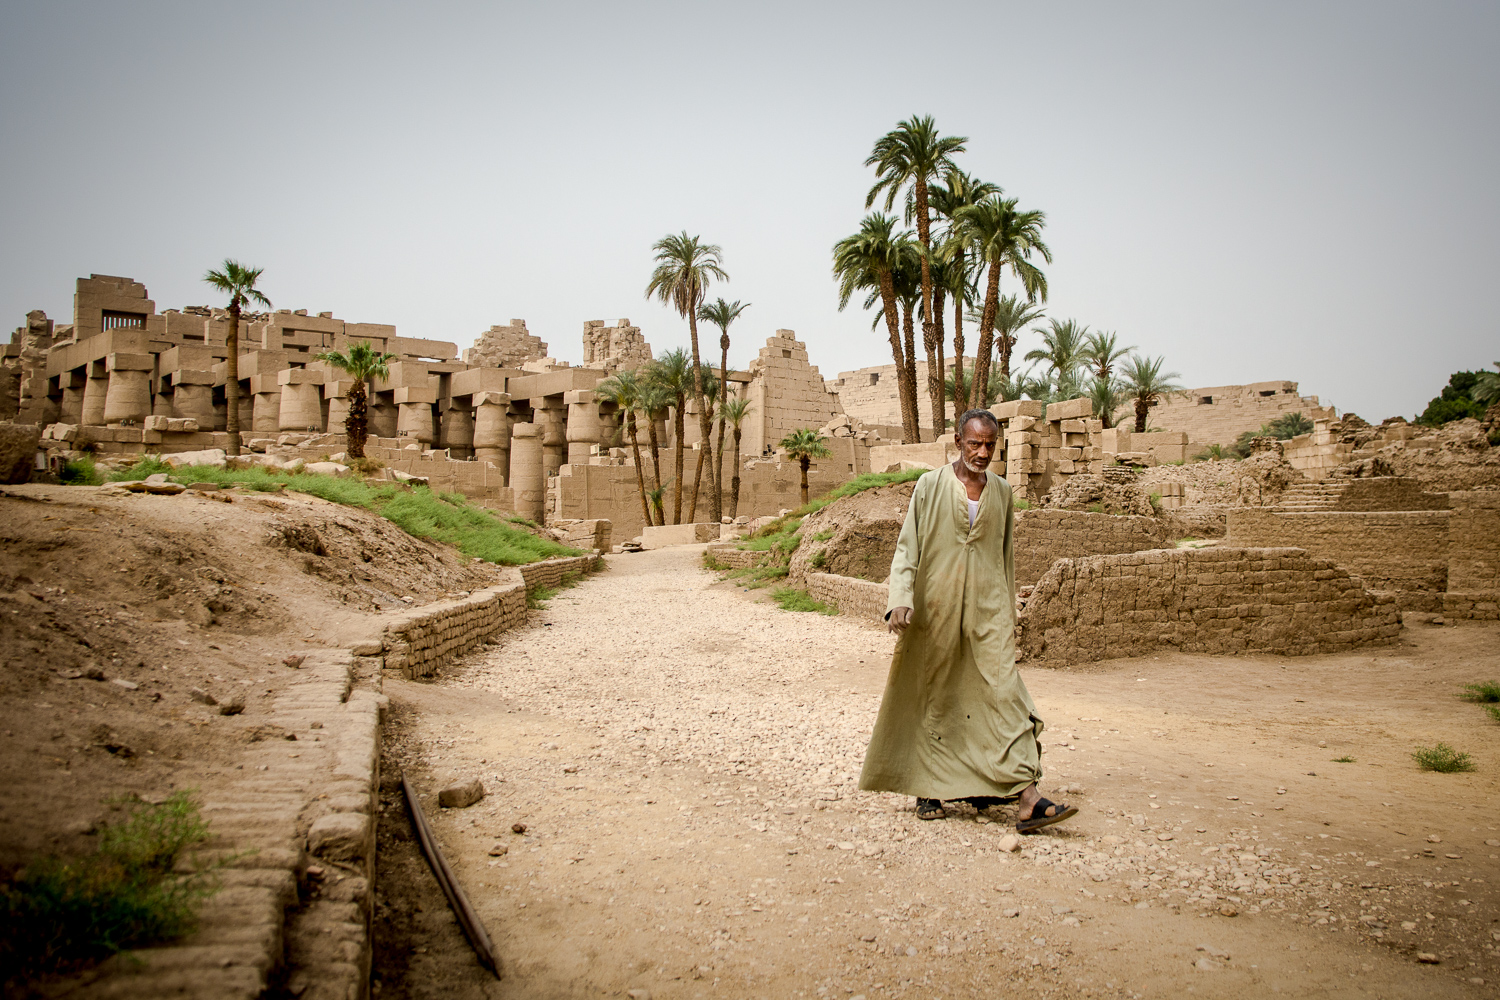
{"x": 1301, "y": 191}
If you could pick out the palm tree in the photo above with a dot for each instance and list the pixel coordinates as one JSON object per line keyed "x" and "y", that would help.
{"x": 623, "y": 388}
{"x": 238, "y": 282}
{"x": 912, "y": 154}
{"x": 684, "y": 268}
{"x": 362, "y": 363}
{"x": 804, "y": 445}
{"x": 674, "y": 374}
{"x": 721, "y": 314}
{"x": 867, "y": 260}
{"x": 1001, "y": 236}
{"x": 1145, "y": 382}
{"x": 735, "y": 409}
{"x": 957, "y": 190}
{"x": 1063, "y": 354}
{"x": 1101, "y": 355}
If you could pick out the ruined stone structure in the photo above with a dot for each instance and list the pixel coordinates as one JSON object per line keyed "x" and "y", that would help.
{"x": 505, "y": 347}
{"x": 1219, "y": 414}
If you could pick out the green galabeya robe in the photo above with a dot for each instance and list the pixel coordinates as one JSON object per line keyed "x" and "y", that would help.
{"x": 956, "y": 720}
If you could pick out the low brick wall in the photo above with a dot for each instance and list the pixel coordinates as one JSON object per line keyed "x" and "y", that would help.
{"x": 1391, "y": 550}
{"x": 735, "y": 558}
{"x": 1215, "y": 600}
{"x": 851, "y": 595}
{"x": 423, "y": 639}
{"x": 1045, "y": 536}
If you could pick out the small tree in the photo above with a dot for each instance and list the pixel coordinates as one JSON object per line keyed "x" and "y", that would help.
{"x": 1145, "y": 383}
{"x": 362, "y": 363}
{"x": 238, "y": 282}
{"x": 734, "y": 412}
{"x": 804, "y": 445}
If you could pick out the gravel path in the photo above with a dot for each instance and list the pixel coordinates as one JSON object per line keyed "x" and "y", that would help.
{"x": 684, "y": 758}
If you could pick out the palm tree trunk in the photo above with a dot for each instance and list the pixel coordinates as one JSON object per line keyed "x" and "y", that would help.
{"x": 960, "y": 391}
{"x": 640, "y": 473}
{"x": 892, "y": 319}
{"x": 934, "y": 347}
{"x": 677, "y": 423}
{"x": 655, "y": 466}
{"x": 734, "y": 489}
{"x": 910, "y": 388}
{"x": 356, "y": 424}
{"x": 987, "y": 333}
{"x": 704, "y": 437}
{"x": 804, "y": 463}
{"x": 232, "y": 379}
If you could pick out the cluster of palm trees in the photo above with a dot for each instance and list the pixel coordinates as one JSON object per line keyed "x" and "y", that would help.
{"x": 685, "y": 267}
{"x": 968, "y": 234}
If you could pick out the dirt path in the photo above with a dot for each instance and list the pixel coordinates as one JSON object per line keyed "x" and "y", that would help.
{"x": 684, "y": 758}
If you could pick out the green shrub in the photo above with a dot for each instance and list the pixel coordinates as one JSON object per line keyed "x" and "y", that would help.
{"x": 1484, "y": 691}
{"x": 80, "y": 472}
{"x": 792, "y": 599}
{"x": 1442, "y": 757}
{"x": 58, "y": 914}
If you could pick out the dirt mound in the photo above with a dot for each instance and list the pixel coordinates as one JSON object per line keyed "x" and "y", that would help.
{"x": 854, "y": 536}
{"x": 115, "y": 607}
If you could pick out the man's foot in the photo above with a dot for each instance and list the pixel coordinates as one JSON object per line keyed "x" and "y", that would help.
{"x": 1042, "y": 812}
{"x": 931, "y": 809}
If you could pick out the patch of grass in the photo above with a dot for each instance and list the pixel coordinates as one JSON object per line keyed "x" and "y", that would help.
{"x": 1484, "y": 691}
{"x": 149, "y": 465}
{"x": 819, "y": 559}
{"x": 61, "y": 914}
{"x": 792, "y": 599}
{"x": 537, "y": 599}
{"x": 418, "y": 511}
{"x": 81, "y": 472}
{"x": 1442, "y": 757}
{"x": 1343, "y": 760}
{"x": 823, "y": 536}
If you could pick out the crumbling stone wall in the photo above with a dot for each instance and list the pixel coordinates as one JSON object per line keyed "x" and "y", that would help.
{"x": 1390, "y": 550}
{"x": 505, "y": 347}
{"x": 852, "y": 596}
{"x": 1215, "y": 600}
{"x": 1045, "y": 536}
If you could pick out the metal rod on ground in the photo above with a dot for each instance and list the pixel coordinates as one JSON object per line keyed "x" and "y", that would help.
{"x": 469, "y": 920}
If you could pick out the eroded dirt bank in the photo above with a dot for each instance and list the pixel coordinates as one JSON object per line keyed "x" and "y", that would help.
{"x": 684, "y": 757}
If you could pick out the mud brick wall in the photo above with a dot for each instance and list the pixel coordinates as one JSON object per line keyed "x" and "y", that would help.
{"x": 1391, "y": 550}
{"x": 851, "y": 595}
{"x": 420, "y": 641}
{"x": 1214, "y": 600}
{"x": 735, "y": 558}
{"x": 1045, "y": 536}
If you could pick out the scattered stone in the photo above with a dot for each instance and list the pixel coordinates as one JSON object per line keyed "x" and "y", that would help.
{"x": 461, "y": 795}
{"x": 202, "y": 697}
{"x": 234, "y": 706}
{"x": 295, "y": 660}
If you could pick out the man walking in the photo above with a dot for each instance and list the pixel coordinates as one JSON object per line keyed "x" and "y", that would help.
{"x": 956, "y": 721}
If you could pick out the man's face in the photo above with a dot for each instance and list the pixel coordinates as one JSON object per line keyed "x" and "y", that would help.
{"x": 976, "y": 445}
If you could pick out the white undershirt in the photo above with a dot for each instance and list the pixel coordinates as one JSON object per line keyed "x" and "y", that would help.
{"x": 973, "y": 510}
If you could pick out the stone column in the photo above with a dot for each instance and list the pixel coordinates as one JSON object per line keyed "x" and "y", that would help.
{"x": 584, "y": 425}
{"x": 414, "y": 421}
{"x": 554, "y": 416}
{"x": 74, "y": 385}
{"x": 528, "y": 480}
{"x": 95, "y": 388}
{"x": 193, "y": 396}
{"x": 492, "y": 430}
{"x": 129, "y": 394}
{"x": 301, "y": 399}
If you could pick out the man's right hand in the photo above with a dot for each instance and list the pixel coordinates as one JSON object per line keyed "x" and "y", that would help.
{"x": 898, "y": 619}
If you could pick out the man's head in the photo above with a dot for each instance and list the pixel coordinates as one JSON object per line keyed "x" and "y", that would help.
{"x": 977, "y": 433}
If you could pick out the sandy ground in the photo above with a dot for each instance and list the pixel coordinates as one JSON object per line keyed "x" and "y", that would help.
{"x": 684, "y": 756}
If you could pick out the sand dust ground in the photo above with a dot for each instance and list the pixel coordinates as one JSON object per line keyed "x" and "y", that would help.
{"x": 683, "y": 756}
